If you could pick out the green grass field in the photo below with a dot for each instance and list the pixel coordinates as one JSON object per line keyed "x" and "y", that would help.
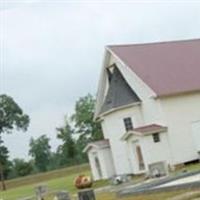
{"x": 63, "y": 179}
{"x": 56, "y": 180}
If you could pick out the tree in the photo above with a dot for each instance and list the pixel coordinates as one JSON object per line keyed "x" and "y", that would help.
{"x": 11, "y": 117}
{"x": 40, "y": 150}
{"x": 21, "y": 167}
{"x": 55, "y": 160}
{"x": 67, "y": 150}
{"x": 84, "y": 118}
{"x": 88, "y": 129}
{"x": 81, "y": 143}
{"x": 3, "y": 163}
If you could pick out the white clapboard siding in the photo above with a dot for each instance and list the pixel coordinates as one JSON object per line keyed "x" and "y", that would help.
{"x": 196, "y": 134}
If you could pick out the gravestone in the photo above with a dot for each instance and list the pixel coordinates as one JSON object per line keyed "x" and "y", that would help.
{"x": 41, "y": 191}
{"x": 158, "y": 169}
{"x": 87, "y": 194}
{"x": 63, "y": 195}
{"x": 26, "y": 198}
{"x": 124, "y": 178}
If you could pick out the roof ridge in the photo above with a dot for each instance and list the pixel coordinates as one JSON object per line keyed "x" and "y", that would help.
{"x": 154, "y": 43}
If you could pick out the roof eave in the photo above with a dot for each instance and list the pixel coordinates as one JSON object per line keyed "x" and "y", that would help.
{"x": 100, "y": 116}
{"x": 159, "y": 96}
{"x": 147, "y": 87}
{"x": 128, "y": 134}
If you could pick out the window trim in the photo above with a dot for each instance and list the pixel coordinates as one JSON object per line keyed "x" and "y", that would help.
{"x": 128, "y": 123}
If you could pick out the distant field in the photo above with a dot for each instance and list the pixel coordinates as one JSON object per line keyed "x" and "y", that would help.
{"x": 37, "y": 178}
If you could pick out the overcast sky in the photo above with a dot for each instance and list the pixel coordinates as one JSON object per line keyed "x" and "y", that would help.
{"x": 51, "y": 51}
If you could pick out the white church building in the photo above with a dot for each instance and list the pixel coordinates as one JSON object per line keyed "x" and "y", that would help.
{"x": 148, "y": 103}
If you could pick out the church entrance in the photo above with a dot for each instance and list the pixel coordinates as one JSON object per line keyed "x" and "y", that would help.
{"x": 139, "y": 160}
{"x": 98, "y": 166}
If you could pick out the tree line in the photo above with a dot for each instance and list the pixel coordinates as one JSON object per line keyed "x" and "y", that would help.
{"x": 76, "y": 132}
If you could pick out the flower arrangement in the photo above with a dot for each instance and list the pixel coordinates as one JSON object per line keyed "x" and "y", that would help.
{"x": 83, "y": 182}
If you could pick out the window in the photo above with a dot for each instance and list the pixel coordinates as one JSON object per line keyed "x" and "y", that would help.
{"x": 156, "y": 137}
{"x": 128, "y": 124}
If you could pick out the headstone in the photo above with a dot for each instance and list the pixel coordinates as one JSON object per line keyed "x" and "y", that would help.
{"x": 63, "y": 195}
{"x": 41, "y": 191}
{"x": 117, "y": 180}
{"x": 26, "y": 198}
{"x": 87, "y": 194}
{"x": 158, "y": 169}
{"x": 124, "y": 178}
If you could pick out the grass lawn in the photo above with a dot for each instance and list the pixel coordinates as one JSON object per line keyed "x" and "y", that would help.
{"x": 189, "y": 167}
{"x": 63, "y": 180}
{"x": 56, "y": 180}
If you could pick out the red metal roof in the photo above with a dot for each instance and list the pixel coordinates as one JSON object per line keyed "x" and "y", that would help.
{"x": 145, "y": 130}
{"x": 152, "y": 128}
{"x": 167, "y": 68}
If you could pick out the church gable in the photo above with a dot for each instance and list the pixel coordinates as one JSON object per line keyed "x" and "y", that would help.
{"x": 119, "y": 92}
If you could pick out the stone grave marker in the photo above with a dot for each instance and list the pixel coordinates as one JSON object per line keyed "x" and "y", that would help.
{"x": 86, "y": 194}
{"x": 158, "y": 169}
{"x": 63, "y": 195}
{"x": 41, "y": 191}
